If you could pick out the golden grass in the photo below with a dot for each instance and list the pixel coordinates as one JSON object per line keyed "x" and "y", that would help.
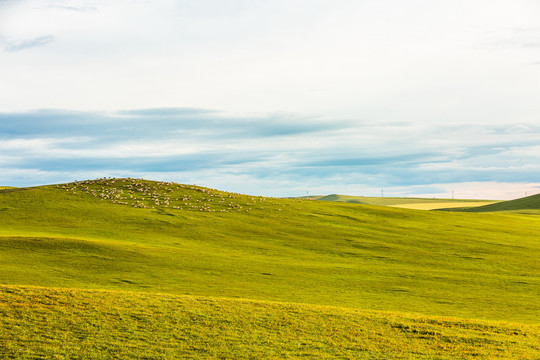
{"x": 441, "y": 205}
{"x": 39, "y": 323}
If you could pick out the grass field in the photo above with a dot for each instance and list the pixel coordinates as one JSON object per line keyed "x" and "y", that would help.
{"x": 39, "y": 322}
{"x": 407, "y": 203}
{"x": 528, "y": 204}
{"x": 138, "y": 239}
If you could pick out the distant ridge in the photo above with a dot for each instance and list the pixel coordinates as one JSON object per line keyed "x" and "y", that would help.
{"x": 7, "y": 188}
{"x": 343, "y": 198}
{"x": 525, "y": 203}
{"x": 407, "y": 202}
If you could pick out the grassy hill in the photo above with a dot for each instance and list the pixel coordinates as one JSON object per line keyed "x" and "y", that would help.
{"x": 144, "y": 238}
{"x": 530, "y": 204}
{"x": 406, "y": 202}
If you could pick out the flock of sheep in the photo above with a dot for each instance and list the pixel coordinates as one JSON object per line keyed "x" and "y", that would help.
{"x": 139, "y": 193}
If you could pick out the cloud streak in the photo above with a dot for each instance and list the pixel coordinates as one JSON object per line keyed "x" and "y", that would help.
{"x": 15, "y": 46}
{"x": 74, "y": 8}
{"x": 275, "y": 154}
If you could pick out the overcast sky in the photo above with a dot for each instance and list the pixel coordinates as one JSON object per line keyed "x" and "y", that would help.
{"x": 275, "y": 97}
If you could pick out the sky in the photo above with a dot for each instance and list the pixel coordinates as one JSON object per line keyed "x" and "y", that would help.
{"x": 275, "y": 97}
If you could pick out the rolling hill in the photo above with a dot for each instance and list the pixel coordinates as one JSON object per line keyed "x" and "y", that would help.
{"x": 81, "y": 248}
{"x": 525, "y": 204}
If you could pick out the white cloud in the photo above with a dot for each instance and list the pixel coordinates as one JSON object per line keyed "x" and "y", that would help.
{"x": 332, "y": 156}
{"x": 382, "y": 60}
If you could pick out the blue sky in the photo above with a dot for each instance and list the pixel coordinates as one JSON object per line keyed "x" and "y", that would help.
{"x": 279, "y": 98}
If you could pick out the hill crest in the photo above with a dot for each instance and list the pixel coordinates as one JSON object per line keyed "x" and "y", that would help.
{"x": 531, "y": 202}
{"x": 148, "y": 194}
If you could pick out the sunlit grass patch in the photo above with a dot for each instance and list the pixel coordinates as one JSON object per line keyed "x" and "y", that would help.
{"x": 68, "y": 323}
{"x": 442, "y": 205}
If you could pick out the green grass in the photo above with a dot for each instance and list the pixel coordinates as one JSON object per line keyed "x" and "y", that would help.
{"x": 143, "y": 238}
{"x": 382, "y": 258}
{"x": 529, "y": 204}
{"x": 39, "y": 323}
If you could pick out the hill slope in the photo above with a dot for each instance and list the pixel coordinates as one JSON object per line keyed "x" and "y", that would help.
{"x": 526, "y": 203}
{"x": 136, "y": 235}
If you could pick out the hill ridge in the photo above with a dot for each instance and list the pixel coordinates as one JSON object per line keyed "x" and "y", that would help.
{"x": 531, "y": 202}
{"x": 406, "y": 202}
{"x": 141, "y": 193}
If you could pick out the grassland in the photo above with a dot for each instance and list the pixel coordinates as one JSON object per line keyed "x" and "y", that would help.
{"x": 529, "y": 204}
{"x": 40, "y": 322}
{"x": 408, "y": 203}
{"x": 143, "y": 240}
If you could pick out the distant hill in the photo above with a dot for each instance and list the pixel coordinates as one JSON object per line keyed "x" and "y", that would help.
{"x": 522, "y": 204}
{"x": 407, "y": 202}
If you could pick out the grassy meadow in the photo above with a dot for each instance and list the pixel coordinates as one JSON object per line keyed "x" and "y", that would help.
{"x": 95, "y": 261}
{"x": 39, "y": 322}
{"x": 528, "y": 204}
